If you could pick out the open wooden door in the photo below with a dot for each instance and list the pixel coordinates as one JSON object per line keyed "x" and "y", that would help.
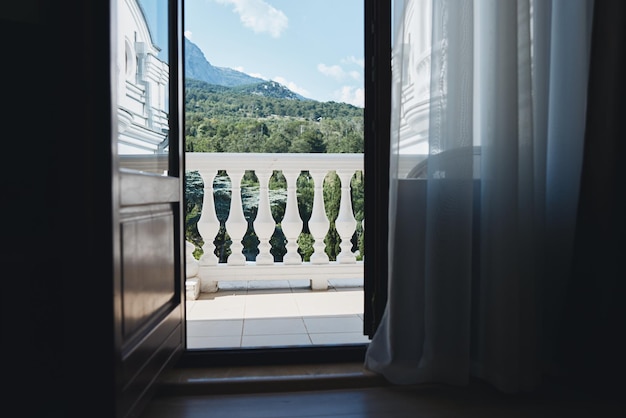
{"x": 149, "y": 296}
{"x": 377, "y": 120}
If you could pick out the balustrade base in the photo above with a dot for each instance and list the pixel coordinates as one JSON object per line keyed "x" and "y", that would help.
{"x": 318, "y": 274}
{"x": 192, "y": 288}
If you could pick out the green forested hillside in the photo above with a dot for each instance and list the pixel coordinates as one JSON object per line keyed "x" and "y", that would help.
{"x": 268, "y": 118}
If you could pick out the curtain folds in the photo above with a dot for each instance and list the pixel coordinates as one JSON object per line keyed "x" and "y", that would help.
{"x": 488, "y": 106}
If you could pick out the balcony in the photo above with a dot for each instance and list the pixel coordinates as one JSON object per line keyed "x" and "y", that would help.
{"x": 276, "y": 313}
{"x": 259, "y": 300}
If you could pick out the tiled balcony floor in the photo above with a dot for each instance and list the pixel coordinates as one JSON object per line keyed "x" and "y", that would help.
{"x": 276, "y": 314}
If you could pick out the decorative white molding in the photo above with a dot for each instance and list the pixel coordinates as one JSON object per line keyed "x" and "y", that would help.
{"x": 142, "y": 79}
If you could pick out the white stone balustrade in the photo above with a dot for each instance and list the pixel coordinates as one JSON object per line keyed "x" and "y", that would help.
{"x": 320, "y": 268}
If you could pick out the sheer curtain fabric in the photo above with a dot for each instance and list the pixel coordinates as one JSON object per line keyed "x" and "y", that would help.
{"x": 488, "y": 114}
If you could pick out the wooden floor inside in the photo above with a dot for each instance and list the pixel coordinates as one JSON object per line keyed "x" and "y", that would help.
{"x": 347, "y": 391}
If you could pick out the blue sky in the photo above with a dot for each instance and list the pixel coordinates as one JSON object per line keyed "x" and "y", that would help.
{"x": 314, "y": 47}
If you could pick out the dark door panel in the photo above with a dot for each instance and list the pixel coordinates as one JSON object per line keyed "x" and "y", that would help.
{"x": 145, "y": 360}
{"x": 148, "y": 276}
{"x": 148, "y": 210}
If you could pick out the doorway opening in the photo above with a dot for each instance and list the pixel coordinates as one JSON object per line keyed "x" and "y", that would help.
{"x": 274, "y": 184}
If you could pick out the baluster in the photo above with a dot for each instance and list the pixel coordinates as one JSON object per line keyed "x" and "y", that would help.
{"x": 208, "y": 227}
{"x": 208, "y": 224}
{"x": 236, "y": 224}
{"x": 264, "y": 224}
{"x": 319, "y": 223}
{"x": 345, "y": 223}
{"x": 291, "y": 223}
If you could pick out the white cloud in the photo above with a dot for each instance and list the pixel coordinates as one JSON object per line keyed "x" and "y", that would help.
{"x": 337, "y": 72}
{"x": 354, "y": 60}
{"x": 352, "y": 95}
{"x": 188, "y": 34}
{"x": 259, "y": 16}
{"x": 334, "y": 71}
{"x": 292, "y": 86}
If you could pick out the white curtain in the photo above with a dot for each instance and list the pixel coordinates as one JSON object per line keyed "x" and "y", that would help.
{"x": 488, "y": 122}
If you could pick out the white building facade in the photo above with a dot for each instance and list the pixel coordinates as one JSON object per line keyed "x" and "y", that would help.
{"x": 142, "y": 84}
{"x": 413, "y": 80}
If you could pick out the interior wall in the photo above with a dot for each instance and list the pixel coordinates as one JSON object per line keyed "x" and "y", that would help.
{"x": 56, "y": 198}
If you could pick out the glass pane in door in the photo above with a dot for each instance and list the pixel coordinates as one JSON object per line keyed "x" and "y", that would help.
{"x": 143, "y": 74}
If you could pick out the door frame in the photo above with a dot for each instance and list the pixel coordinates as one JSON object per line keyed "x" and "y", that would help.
{"x": 377, "y": 54}
{"x": 377, "y": 152}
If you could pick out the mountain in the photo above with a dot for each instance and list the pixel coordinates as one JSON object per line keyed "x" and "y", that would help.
{"x": 199, "y": 68}
{"x": 270, "y": 89}
{"x": 259, "y": 100}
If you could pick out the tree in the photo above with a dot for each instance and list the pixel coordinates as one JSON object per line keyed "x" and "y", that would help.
{"x": 194, "y": 195}
{"x": 357, "y": 195}
{"x": 332, "y": 199}
{"x": 277, "y": 142}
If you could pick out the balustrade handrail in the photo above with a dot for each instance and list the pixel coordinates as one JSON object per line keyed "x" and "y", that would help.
{"x": 257, "y": 161}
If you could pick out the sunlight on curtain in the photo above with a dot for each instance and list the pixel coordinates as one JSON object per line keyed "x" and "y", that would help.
{"x": 488, "y": 111}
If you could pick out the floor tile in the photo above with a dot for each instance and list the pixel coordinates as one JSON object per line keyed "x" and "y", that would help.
{"x": 339, "y": 338}
{"x": 227, "y": 307}
{"x": 347, "y": 289}
{"x": 270, "y": 305}
{"x": 274, "y": 326}
{"x": 222, "y": 293}
{"x": 275, "y": 340}
{"x": 329, "y": 303}
{"x": 214, "y": 328}
{"x": 309, "y": 290}
{"x": 268, "y": 284}
{"x": 333, "y": 324}
{"x": 214, "y": 342}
